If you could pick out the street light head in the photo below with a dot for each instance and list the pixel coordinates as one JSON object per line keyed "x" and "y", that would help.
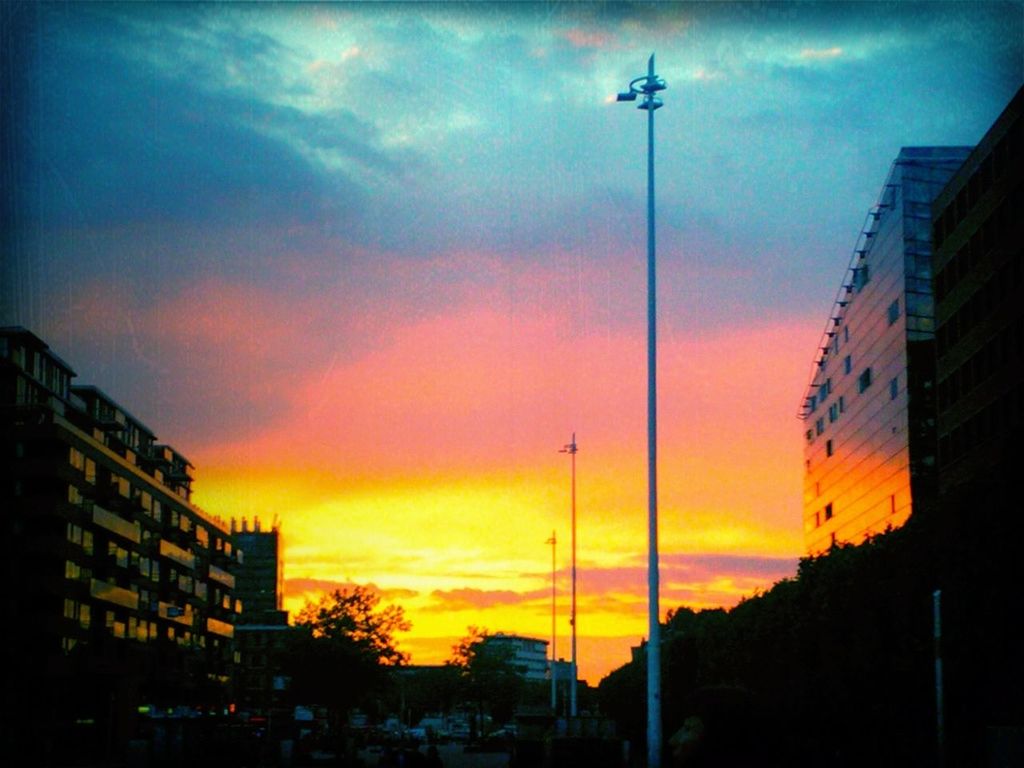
{"x": 631, "y": 96}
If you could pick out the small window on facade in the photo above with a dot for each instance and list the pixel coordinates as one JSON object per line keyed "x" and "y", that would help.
{"x": 894, "y": 311}
{"x": 847, "y": 364}
{"x": 846, "y": 333}
{"x": 810, "y": 435}
{"x": 828, "y": 511}
{"x": 894, "y": 388}
{"x": 828, "y": 448}
{"x": 864, "y": 381}
{"x": 819, "y": 426}
{"x": 842, "y": 404}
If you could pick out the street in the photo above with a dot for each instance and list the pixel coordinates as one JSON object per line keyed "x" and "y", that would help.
{"x": 452, "y": 756}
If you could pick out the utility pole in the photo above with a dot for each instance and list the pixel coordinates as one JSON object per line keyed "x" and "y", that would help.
{"x": 648, "y": 85}
{"x": 571, "y": 450}
{"x": 554, "y": 683}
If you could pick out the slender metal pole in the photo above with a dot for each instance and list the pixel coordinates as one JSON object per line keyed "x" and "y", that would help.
{"x": 649, "y": 86}
{"x": 653, "y": 610}
{"x": 554, "y": 682}
{"x": 572, "y": 690}
{"x": 940, "y": 727}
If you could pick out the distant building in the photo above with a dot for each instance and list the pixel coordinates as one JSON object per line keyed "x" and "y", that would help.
{"x": 868, "y": 412}
{"x": 260, "y": 577}
{"x": 528, "y": 654}
{"x": 979, "y": 241}
{"x": 263, "y": 632}
{"x": 120, "y": 596}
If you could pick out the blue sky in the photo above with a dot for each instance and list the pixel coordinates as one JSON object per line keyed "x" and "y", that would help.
{"x": 414, "y": 233}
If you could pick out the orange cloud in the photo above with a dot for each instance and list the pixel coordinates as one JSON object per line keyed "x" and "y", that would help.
{"x": 419, "y": 453}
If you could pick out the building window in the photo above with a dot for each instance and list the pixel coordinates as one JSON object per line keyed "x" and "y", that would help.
{"x": 828, "y": 511}
{"x": 894, "y": 311}
{"x": 847, "y": 364}
{"x": 833, "y": 412}
{"x": 846, "y": 333}
{"x": 819, "y": 426}
{"x": 864, "y": 381}
{"x": 828, "y": 448}
{"x": 77, "y": 459}
{"x": 842, "y": 404}
{"x": 894, "y": 388}
{"x": 810, "y": 435}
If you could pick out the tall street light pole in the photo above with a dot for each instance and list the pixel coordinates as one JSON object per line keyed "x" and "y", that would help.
{"x": 648, "y": 85}
{"x": 554, "y": 682}
{"x": 571, "y": 450}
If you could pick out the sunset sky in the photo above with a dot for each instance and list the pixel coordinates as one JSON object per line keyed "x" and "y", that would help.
{"x": 370, "y": 266}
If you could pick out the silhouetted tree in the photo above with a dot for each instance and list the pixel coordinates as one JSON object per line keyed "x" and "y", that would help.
{"x": 340, "y": 660}
{"x": 489, "y": 675}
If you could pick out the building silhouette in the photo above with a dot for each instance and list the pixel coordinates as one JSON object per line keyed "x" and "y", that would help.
{"x": 868, "y": 412}
{"x": 262, "y": 633}
{"x": 260, "y": 576}
{"x": 979, "y": 327}
{"x": 528, "y": 655}
{"x": 121, "y": 603}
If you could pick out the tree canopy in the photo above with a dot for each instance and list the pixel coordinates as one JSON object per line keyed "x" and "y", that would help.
{"x": 352, "y": 616}
{"x": 344, "y": 646}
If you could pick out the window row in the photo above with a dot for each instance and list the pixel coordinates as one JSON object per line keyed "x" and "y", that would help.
{"x": 987, "y": 236}
{"x": 992, "y": 168}
{"x": 1001, "y": 286}
{"x": 1000, "y": 353}
{"x": 1001, "y": 416}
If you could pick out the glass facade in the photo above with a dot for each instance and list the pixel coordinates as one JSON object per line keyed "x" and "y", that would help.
{"x": 870, "y": 456}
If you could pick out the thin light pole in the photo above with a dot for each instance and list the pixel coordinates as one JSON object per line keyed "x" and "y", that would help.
{"x": 554, "y": 683}
{"x": 649, "y": 85}
{"x": 571, "y": 450}
{"x": 940, "y": 726}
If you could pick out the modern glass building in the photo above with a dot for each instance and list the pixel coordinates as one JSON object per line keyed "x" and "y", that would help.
{"x": 868, "y": 419}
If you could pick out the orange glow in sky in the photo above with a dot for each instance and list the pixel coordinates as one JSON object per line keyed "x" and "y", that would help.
{"x": 369, "y": 268}
{"x": 430, "y": 468}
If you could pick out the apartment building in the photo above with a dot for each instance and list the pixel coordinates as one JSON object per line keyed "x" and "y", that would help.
{"x": 121, "y": 597}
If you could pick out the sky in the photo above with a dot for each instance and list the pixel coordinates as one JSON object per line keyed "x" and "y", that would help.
{"x": 370, "y": 266}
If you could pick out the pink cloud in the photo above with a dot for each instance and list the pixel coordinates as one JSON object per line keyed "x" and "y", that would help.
{"x": 468, "y": 598}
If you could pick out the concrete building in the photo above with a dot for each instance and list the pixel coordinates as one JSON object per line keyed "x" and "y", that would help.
{"x": 979, "y": 239}
{"x": 120, "y": 598}
{"x": 259, "y": 584}
{"x": 868, "y": 411}
{"x": 262, "y": 632}
{"x": 528, "y": 654}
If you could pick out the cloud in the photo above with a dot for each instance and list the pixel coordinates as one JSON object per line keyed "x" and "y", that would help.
{"x": 308, "y": 587}
{"x": 582, "y": 38}
{"x": 821, "y": 53}
{"x": 469, "y": 598}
